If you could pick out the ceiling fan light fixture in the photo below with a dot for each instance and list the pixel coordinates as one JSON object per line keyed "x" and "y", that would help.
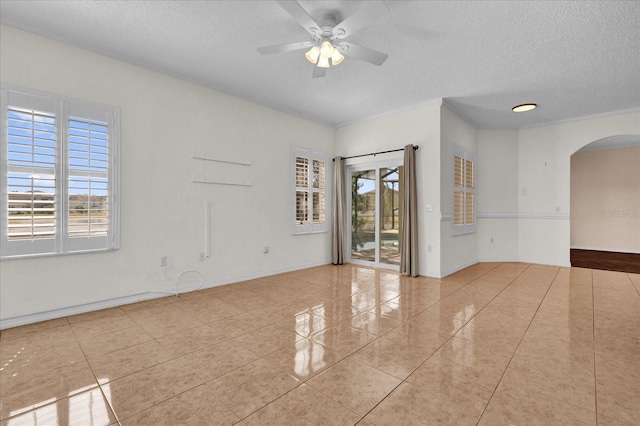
{"x": 336, "y": 57}
{"x": 524, "y": 107}
{"x": 326, "y": 49}
{"x": 323, "y": 62}
{"x": 313, "y": 54}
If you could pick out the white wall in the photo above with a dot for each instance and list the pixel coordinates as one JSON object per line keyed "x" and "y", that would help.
{"x": 544, "y": 155}
{"x": 164, "y": 119}
{"x": 497, "y": 195}
{"x": 421, "y": 127}
{"x": 458, "y": 251}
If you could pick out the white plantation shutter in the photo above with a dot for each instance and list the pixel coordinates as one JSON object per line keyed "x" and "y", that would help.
{"x": 59, "y": 174}
{"x": 464, "y": 184}
{"x": 458, "y": 192}
{"x": 89, "y": 153}
{"x": 302, "y": 191}
{"x": 318, "y": 192}
{"x": 309, "y": 177}
{"x": 29, "y": 174}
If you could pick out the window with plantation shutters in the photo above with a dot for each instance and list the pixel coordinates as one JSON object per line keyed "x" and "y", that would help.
{"x": 309, "y": 192}
{"x": 464, "y": 186}
{"x": 59, "y": 175}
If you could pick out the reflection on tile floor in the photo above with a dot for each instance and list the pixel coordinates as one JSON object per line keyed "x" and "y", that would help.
{"x": 496, "y": 343}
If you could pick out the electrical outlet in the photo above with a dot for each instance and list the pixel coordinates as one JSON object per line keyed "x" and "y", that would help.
{"x": 429, "y": 248}
{"x": 201, "y": 257}
{"x": 163, "y": 261}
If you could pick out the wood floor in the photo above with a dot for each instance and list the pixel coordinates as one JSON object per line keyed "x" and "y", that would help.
{"x": 606, "y": 260}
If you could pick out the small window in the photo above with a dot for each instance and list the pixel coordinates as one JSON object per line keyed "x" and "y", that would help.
{"x": 309, "y": 191}
{"x": 59, "y": 175}
{"x": 464, "y": 191}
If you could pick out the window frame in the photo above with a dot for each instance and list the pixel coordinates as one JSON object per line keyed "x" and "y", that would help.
{"x": 466, "y": 156}
{"x": 64, "y": 109}
{"x": 310, "y": 155}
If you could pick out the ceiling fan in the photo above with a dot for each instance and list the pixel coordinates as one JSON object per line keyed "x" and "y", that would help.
{"x": 328, "y": 46}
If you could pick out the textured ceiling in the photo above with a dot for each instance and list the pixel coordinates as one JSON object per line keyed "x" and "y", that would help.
{"x": 574, "y": 59}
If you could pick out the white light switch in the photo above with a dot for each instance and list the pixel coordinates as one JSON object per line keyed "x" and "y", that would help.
{"x": 429, "y": 208}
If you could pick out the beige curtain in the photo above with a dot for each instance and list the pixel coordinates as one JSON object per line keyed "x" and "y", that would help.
{"x": 409, "y": 219}
{"x": 339, "y": 223}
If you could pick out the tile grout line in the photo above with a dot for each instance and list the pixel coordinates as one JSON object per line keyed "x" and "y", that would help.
{"x": 449, "y": 338}
{"x": 518, "y": 345}
{"x": 637, "y": 288}
{"x": 595, "y": 371}
{"x": 86, "y": 358}
{"x": 304, "y": 382}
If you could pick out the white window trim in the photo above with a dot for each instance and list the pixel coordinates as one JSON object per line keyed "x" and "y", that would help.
{"x": 63, "y": 107}
{"x": 311, "y": 155}
{"x": 466, "y": 155}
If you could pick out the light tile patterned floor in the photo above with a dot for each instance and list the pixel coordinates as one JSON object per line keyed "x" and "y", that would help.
{"x": 493, "y": 344}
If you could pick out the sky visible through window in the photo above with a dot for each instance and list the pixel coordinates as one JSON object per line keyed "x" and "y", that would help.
{"x": 31, "y": 155}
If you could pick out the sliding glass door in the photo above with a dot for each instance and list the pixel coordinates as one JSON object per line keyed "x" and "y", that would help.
{"x": 375, "y": 203}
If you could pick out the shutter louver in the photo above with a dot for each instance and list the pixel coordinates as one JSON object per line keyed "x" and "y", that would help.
{"x": 302, "y": 172}
{"x": 318, "y": 174}
{"x": 469, "y": 174}
{"x": 459, "y": 171}
{"x": 88, "y": 159}
{"x": 470, "y": 209}
{"x": 302, "y": 207}
{"x": 318, "y": 207}
{"x": 31, "y": 174}
{"x": 458, "y": 208}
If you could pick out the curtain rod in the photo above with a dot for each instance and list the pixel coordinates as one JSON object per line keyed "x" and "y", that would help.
{"x": 376, "y": 153}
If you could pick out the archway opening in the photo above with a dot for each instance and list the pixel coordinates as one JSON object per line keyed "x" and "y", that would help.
{"x": 605, "y": 204}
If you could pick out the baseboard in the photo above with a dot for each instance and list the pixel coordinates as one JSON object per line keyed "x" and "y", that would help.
{"x": 606, "y": 249}
{"x": 457, "y": 268}
{"x": 606, "y": 260}
{"x": 544, "y": 262}
{"x": 499, "y": 260}
{"x": 76, "y": 309}
{"x": 139, "y": 297}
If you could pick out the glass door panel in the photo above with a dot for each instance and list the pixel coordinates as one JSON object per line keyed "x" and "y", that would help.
{"x": 376, "y": 209}
{"x": 363, "y": 215}
{"x": 390, "y": 213}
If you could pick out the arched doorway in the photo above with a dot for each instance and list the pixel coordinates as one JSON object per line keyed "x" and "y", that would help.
{"x": 605, "y": 204}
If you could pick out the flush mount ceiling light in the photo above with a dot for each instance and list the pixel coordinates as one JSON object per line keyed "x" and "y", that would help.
{"x": 524, "y": 107}
{"x": 328, "y": 46}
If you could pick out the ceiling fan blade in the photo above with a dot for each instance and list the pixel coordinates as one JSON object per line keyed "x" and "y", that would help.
{"x": 287, "y": 47}
{"x": 301, "y": 15}
{"x": 360, "y": 19}
{"x": 363, "y": 53}
{"x": 319, "y": 72}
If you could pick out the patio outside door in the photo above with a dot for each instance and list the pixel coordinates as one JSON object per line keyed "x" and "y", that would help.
{"x": 375, "y": 204}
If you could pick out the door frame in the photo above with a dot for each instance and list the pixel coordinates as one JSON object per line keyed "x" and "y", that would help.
{"x": 376, "y": 165}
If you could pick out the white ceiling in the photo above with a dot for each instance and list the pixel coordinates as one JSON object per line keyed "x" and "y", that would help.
{"x": 574, "y": 59}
